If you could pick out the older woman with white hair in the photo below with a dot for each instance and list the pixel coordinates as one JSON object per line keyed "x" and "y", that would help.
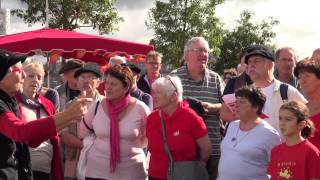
{"x": 185, "y": 130}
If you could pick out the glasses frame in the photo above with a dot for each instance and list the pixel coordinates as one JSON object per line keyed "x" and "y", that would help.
{"x": 169, "y": 79}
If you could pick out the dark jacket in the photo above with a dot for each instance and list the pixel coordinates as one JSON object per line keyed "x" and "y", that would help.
{"x": 143, "y": 85}
{"x": 236, "y": 83}
{"x": 142, "y": 96}
{"x": 15, "y": 136}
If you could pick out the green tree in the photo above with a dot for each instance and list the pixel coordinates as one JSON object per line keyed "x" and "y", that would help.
{"x": 72, "y": 14}
{"x": 176, "y": 21}
{"x": 245, "y": 34}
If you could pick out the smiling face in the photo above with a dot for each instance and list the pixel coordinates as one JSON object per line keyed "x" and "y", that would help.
{"x": 13, "y": 81}
{"x": 197, "y": 56}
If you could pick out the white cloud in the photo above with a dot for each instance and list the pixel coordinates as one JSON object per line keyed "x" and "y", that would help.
{"x": 299, "y": 20}
{"x": 298, "y": 28}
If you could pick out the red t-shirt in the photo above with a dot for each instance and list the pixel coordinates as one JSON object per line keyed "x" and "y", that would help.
{"x": 183, "y": 128}
{"x": 298, "y": 162}
{"x": 315, "y": 140}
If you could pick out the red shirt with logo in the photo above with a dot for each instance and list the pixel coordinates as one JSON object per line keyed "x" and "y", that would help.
{"x": 297, "y": 162}
{"x": 183, "y": 128}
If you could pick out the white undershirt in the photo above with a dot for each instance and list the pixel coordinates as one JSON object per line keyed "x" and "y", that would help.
{"x": 41, "y": 156}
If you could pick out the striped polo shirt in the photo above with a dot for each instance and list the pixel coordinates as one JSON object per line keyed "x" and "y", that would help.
{"x": 208, "y": 90}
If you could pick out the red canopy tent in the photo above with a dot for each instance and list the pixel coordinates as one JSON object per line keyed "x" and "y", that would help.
{"x": 67, "y": 44}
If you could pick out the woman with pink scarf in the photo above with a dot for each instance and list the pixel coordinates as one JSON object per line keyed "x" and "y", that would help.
{"x": 118, "y": 123}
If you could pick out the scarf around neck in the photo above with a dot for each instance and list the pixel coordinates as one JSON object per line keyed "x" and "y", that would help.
{"x": 113, "y": 112}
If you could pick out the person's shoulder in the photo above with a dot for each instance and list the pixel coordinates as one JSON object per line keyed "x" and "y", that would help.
{"x": 60, "y": 89}
{"x": 212, "y": 73}
{"x": 179, "y": 71}
{"x": 266, "y": 128}
{"x": 278, "y": 148}
{"x": 311, "y": 147}
{"x": 140, "y": 104}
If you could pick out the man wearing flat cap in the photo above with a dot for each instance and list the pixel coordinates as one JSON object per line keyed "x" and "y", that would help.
{"x": 68, "y": 90}
{"x": 88, "y": 78}
{"x": 17, "y": 134}
{"x": 261, "y": 71}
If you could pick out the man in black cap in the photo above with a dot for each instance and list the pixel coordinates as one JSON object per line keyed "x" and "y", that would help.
{"x": 69, "y": 89}
{"x": 261, "y": 71}
{"x": 88, "y": 78}
{"x": 15, "y": 133}
{"x": 138, "y": 93}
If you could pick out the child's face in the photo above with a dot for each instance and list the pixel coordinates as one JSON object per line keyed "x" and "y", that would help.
{"x": 288, "y": 123}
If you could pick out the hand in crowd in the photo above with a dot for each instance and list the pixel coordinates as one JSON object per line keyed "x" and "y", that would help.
{"x": 211, "y": 108}
{"x": 227, "y": 112}
{"x": 78, "y": 108}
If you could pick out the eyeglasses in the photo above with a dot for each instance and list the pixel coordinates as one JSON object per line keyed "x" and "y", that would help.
{"x": 198, "y": 50}
{"x": 91, "y": 78}
{"x": 169, "y": 79}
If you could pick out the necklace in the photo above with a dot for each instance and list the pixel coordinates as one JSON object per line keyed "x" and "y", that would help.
{"x": 237, "y": 140}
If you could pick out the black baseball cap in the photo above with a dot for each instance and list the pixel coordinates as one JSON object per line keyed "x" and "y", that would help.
{"x": 7, "y": 59}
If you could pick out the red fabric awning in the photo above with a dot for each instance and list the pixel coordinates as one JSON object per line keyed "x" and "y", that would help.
{"x": 72, "y": 44}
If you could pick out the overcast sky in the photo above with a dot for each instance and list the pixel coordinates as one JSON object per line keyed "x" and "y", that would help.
{"x": 299, "y": 20}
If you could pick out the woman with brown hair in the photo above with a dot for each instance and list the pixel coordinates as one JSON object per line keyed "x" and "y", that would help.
{"x": 308, "y": 73}
{"x": 118, "y": 123}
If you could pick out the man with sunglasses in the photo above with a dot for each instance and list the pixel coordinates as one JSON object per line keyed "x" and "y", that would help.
{"x": 204, "y": 85}
{"x": 16, "y": 134}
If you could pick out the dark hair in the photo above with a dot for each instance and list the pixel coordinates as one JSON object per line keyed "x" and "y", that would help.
{"x": 123, "y": 73}
{"x": 307, "y": 65}
{"x": 253, "y": 95}
{"x": 231, "y": 72}
{"x": 301, "y": 111}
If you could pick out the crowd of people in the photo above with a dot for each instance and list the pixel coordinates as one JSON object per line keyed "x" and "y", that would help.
{"x": 258, "y": 121}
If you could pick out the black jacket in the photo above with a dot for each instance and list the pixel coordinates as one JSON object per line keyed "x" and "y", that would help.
{"x": 14, "y": 156}
{"x": 142, "y": 96}
{"x": 143, "y": 85}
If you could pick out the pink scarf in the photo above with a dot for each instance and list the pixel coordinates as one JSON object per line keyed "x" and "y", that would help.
{"x": 113, "y": 111}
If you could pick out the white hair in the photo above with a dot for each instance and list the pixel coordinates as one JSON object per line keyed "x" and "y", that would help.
{"x": 170, "y": 84}
{"x": 190, "y": 42}
{"x": 117, "y": 60}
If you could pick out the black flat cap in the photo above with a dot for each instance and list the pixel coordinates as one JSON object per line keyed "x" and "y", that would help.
{"x": 70, "y": 65}
{"x": 260, "y": 50}
{"x": 7, "y": 59}
{"x": 89, "y": 67}
{"x": 135, "y": 69}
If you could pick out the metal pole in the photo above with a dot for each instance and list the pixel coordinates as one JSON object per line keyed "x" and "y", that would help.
{"x": 47, "y": 14}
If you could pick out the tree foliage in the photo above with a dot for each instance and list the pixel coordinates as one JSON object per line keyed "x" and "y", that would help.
{"x": 72, "y": 14}
{"x": 245, "y": 34}
{"x": 175, "y": 21}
